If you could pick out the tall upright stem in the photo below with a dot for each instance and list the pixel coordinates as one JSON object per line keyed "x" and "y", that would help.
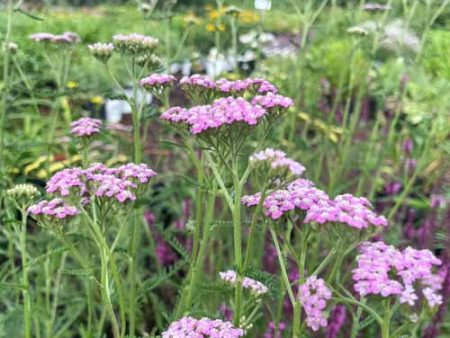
{"x": 25, "y": 282}
{"x": 6, "y": 81}
{"x": 237, "y": 234}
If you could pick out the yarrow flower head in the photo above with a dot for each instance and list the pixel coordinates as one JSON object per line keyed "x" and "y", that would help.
{"x": 23, "y": 194}
{"x": 56, "y": 208}
{"x": 102, "y": 51}
{"x": 135, "y": 44}
{"x": 386, "y": 271}
{"x": 65, "y": 38}
{"x": 189, "y": 327}
{"x": 273, "y": 102}
{"x": 255, "y": 287}
{"x": 198, "y": 87}
{"x": 120, "y": 184}
{"x": 157, "y": 82}
{"x": 278, "y": 161}
{"x": 222, "y": 112}
{"x": 320, "y": 208}
{"x": 314, "y": 295}
{"x": 86, "y": 127}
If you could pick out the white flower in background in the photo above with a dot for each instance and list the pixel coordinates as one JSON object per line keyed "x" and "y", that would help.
{"x": 263, "y": 5}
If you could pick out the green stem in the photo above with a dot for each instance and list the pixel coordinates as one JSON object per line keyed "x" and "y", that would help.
{"x": 25, "y": 282}
{"x": 237, "y": 234}
{"x": 386, "y": 320}
{"x": 6, "y": 81}
{"x": 197, "y": 269}
{"x": 133, "y": 272}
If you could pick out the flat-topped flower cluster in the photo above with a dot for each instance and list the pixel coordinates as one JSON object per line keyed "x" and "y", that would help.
{"x": 387, "y": 271}
{"x": 101, "y": 51}
{"x": 85, "y": 127}
{"x": 189, "y": 327}
{"x": 314, "y": 295}
{"x": 301, "y": 194}
{"x": 78, "y": 185}
{"x": 225, "y": 86}
{"x": 65, "y": 38}
{"x": 56, "y": 207}
{"x": 255, "y": 287}
{"x": 224, "y": 110}
{"x": 277, "y": 160}
{"x": 134, "y": 43}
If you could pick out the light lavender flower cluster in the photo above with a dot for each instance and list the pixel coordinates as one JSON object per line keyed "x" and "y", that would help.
{"x": 55, "y": 208}
{"x": 119, "y": 183}
{"x": 277, "y": 160}
{"x": 224, "y": 111}
{"x": 301, "y": 194}
{"x": 134, "y": 43}
{"x": 225, "y": 86}
{"x": 387, "y": 271}
{"x": 65, "y": 38}
{"x": 374, "y": 6}
{"x": 189, "y": 327}
{"x": 272, "y": 101}
{"x": 85, "y": 127}
{"x": 101, "y": 51}
{"x": 313, "y": 296}
{"x": 157, "y": 81}
{"x": 255, "y": 287}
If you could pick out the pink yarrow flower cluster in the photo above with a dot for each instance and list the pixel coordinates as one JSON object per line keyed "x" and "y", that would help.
{"x": 157, "y": 80}
{"x": 277, "y": 159}
{"x": 221, "y": 112}
{"x": 55, "y": 208}
{"x": 273, "y": 101}
{"x": 119, "y": 183}
{"x": 85, "y": 126}
{"x": 301, "y": 194}
{"x": 238, "y": 86}
{"x": 387, "y": 271}
{"x": 313, "y": 296}
{"x": 189, "y": 327}
{"x": 66, "y": 37}
{"x": 255, "y": 287}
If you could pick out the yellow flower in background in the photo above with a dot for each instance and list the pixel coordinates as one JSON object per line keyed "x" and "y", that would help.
{"x": 210, "y": 27}
{"x": 36, "y": 164}
{"x": 331, "y": 132}
{"x": 220, "y": 27}
{"x": 248, "y": 17}
{"x": 72, "y": 84}
{"x": 121, "y": 158}
{"x": 97, "y": 100}
{"x": 191, "y": 19}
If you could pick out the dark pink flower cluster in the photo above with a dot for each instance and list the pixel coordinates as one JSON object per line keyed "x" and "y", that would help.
{"x": 386, "y": 271}
{"x": 275, "y": 331}
{"x": 277, "y": 159}
{"x": 273, "y": 101}
{"x": 67, "y": 38}
{"x": 189, "y": 327}
{"x": 313, "y": 297}
{"x": 255, "y": 287}
{"x": 85, "y": 126}
{"x": 224, "y": 111}
{"x": 119, "y": 183}
{"x": 336, "y": 321}
{"x": 55, "y": 208}
{"x": 301, "y": 194}
{"x": 157, "y": 81}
